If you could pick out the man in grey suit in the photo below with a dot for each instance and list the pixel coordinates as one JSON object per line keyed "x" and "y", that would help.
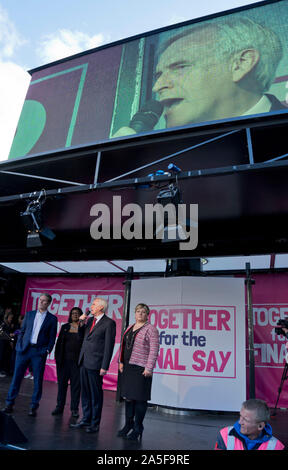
{"x": 95, "y": 356}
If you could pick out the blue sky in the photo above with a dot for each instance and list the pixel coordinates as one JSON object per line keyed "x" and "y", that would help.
{"x": 36, "y": 32}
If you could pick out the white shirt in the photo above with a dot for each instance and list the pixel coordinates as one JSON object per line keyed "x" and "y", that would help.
{"x": 98, "y": 318}
{"x": 262, "y": 106}
{"x": 39, "y": 318}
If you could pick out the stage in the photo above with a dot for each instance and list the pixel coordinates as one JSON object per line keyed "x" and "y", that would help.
{"x": 163, "y": 431}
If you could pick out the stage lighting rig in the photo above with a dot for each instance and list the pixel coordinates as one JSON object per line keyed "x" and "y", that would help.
{"x": 172, "y": 169}
{"x": 171, "y": 231}
{"x": 32, "y": 219}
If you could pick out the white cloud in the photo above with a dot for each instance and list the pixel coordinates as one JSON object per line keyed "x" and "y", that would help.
{"x": 10, "y": 39}
{"x": 64, "y": 43}
{"x": 14, "y": 81}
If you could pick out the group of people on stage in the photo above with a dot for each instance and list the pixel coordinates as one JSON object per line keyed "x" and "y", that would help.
{"x": 83, "y": 353}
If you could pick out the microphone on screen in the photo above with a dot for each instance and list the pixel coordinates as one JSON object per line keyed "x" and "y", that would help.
{"x": 147, "y": 116}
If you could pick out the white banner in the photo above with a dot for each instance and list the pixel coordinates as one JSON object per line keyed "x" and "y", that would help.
{"x": 201, "y": 323}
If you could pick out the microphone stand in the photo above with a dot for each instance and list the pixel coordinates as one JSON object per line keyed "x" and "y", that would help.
{"x": 283, "y": 378}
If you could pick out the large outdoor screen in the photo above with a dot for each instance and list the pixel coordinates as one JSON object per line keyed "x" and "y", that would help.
{"x": 205, "y": 71}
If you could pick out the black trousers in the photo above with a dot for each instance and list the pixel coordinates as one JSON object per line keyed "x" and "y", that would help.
{"x": 68, "y": 370}
{"x": 91, "y": 395}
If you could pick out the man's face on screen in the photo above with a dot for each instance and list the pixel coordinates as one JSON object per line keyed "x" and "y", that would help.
{"x": 190, "y": 83}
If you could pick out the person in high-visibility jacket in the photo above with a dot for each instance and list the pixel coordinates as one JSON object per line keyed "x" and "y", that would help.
{"x": 251, "y": 432}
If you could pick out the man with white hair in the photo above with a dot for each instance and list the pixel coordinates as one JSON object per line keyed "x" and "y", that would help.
{"x": 218, "y": 70}
{"x": 94, "y": 359}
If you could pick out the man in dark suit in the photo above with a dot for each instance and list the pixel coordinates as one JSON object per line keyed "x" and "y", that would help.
{"x": 35, "y": 342}
{"x": 95, "y": 356}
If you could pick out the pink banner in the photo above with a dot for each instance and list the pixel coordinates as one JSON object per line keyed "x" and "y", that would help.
{"x": 71, "y": 292}
{"x": 270, "y": 303}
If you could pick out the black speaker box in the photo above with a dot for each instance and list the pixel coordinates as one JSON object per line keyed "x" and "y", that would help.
{"x": 9, "y": 431}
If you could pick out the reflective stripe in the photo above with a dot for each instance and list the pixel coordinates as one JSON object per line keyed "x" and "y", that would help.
{"x": 233, "y": 443}
{"x": 230, "y": 439}
{"x": 272, "y": 443}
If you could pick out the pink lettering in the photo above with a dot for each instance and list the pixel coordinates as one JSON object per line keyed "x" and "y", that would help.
{"x": 197, "y": 357}
{"x": 210, "y": 318}
{"x": 212, "y": 362}
{"x": 215, "y": 361}
{"x": 224, "y": 359}
{"x": 223, "y": 318}
{"x": 169, "y": 359}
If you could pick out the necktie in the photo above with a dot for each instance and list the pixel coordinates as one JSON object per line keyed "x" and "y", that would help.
{"x": 93, "y": 324}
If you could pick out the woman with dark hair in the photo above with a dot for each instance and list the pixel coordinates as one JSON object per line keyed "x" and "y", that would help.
{"x": 138, "y": 354}
{"x": 67, "y": 351}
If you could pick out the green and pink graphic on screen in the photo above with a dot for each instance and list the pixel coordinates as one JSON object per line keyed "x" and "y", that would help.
{"x": 206, "y": 71}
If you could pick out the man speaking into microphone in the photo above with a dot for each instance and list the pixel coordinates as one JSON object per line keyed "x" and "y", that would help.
{"x": 98, "y": 343}
{"x": 217, "y": 70}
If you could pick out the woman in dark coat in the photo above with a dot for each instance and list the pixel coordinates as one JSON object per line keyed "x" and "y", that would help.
{"x": 67, "y": 351}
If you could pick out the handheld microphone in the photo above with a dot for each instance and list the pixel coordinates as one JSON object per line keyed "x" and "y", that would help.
{"x": 84, "y": 318}
{"x": 147, "y": 116}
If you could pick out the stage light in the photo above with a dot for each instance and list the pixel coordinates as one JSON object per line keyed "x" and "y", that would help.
{"x": 170, "y": 195}
{"x": 174, "y": 168}
{"x": 171, "y": 231}
{"x": 32, "y": 220}
{"x": 33, "y": 240}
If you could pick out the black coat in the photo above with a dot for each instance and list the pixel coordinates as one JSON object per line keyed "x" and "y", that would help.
{"x": 60, "y": 344}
